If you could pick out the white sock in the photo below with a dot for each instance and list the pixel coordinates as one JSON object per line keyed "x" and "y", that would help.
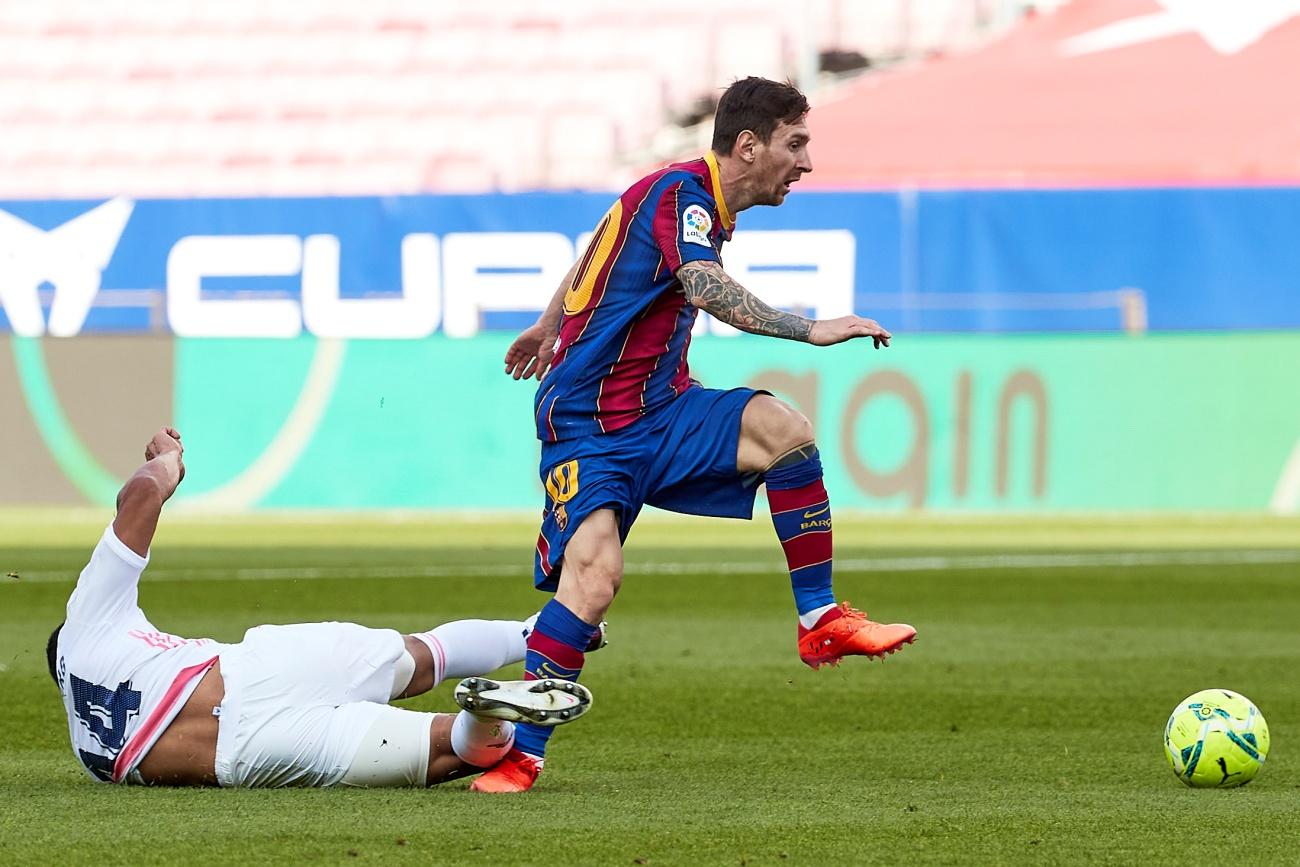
{"x": 468, "y": 647}
{"x": 809, "y": 620}
{"x": 481, "y": 742}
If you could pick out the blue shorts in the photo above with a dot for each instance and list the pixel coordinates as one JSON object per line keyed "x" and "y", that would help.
{"x": 681, "y": 458}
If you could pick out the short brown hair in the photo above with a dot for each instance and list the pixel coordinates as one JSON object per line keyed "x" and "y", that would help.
{"x": 756, "y": 104}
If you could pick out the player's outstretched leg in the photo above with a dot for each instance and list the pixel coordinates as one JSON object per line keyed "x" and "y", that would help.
{"x": 567, "y": 628}
{"x": 801, "y": 513}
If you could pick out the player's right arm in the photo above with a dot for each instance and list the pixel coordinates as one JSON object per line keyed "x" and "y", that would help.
{"x": 141, "y": 499}
{"x": 710, "y": 288}
{"x": 533, "y": 349}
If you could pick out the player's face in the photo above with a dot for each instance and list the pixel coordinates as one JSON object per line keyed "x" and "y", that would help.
{"x": 783, "y": 161}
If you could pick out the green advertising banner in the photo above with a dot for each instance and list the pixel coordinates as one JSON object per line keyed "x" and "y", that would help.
{"x": 952, "y": 423}
{"x": 1045, "y": 422}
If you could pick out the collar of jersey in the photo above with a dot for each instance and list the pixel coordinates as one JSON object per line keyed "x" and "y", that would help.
{"x": 728, "y": 221}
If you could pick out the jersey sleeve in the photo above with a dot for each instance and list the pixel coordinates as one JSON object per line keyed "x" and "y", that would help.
{"x": 108, "y": 586}
{"x": 682, "y": 226}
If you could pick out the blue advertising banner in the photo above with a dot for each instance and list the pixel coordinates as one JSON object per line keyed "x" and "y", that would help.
{"x": 407, "y": 267}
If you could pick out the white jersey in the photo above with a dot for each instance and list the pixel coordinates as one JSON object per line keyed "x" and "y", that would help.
{"x": 122, "y": 680}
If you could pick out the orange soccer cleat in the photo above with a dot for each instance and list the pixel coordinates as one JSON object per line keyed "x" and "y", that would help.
{"x": 515, "y": 773}
{"x": 850, "y": 633}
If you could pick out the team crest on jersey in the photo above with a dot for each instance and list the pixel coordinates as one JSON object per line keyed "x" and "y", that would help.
{"x": 696, "y": 224}
{"x": 562, "y": 486}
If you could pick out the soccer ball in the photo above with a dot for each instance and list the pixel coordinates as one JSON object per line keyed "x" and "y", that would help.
{"x": 1216, "y": 739}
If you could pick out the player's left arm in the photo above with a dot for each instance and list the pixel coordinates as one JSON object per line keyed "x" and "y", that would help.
{"x": 141, "y": 499}
{"x": 710, "y": 288}
{"x": 107, "y": 587}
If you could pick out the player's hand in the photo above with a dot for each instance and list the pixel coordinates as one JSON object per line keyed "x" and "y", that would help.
{"x": 166, "y": 441}
{"x": 531, "y": 353}
{"x": 828, "y": 332}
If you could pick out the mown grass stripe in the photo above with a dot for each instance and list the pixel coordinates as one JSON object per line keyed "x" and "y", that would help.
{"x": 1116, "y": 559}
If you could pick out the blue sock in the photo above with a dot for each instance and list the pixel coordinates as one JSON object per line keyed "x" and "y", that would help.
{"x": 801, "y": 514}
{"x": 556, "y": 649}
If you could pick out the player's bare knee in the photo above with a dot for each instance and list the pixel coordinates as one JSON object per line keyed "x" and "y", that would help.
{"x": 422, "y": 675}
{"x": 771, "y": 428}
{"x": 795, "y": 431}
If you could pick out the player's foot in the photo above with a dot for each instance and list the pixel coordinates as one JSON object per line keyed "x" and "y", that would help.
{"x": 540, "y": 702}
{"x": 599, "y": 640}
{"x": 846, "y": 631}
{"x": 515, "y": 773}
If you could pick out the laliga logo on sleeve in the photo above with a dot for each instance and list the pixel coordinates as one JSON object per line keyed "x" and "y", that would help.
{"x": 696, "y": 225}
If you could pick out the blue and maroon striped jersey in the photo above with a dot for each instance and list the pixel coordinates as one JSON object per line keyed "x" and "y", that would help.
{"x": 627, "y": 325}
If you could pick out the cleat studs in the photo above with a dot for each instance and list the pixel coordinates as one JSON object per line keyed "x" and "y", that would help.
{"x": 564, "y": 714}
{"x": 541, "y": 715}
{"x": 472, "y": 683}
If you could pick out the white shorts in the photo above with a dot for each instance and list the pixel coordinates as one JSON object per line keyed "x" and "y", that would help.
{"x": 300, "y": 699}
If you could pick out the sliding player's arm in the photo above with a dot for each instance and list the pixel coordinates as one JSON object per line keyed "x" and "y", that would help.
{"x": 532, "y": 350}
{"x": 710, "y": 288}
{"x": 107, "y": 589}
{"x": 141, "y": 499}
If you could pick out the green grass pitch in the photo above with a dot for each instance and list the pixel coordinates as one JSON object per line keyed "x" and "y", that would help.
{"x": 1023, "y": 726}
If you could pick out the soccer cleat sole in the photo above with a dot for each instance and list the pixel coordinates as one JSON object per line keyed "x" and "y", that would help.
{"x": 540, "y": 702}
{"x": 881, "y": 654}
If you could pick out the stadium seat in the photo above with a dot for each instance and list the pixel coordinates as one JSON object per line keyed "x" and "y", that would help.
{"x": 255, "y": 93}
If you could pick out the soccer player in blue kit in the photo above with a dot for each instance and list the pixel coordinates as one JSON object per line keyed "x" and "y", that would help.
{"x": 623, "y": 425}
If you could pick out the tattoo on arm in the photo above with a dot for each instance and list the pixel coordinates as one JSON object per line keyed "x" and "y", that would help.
{"x": 710, "y": 288}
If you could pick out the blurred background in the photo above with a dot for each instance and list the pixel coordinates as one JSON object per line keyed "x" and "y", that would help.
{"x": 305, "y": 233}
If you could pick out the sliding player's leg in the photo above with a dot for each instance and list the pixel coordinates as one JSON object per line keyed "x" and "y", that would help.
{"x": 454, "y": 650}
{"x": 407, "y": 748}
{"x": 463, "y": 648}
{"x": 306, "y": 704}
{"x": 777, "y": 441}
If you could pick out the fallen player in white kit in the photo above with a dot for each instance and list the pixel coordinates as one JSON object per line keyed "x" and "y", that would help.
{"x": 299, "y": 705}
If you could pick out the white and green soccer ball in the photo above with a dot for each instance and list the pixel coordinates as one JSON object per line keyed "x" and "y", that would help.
{"x": 1216, "y": 739}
